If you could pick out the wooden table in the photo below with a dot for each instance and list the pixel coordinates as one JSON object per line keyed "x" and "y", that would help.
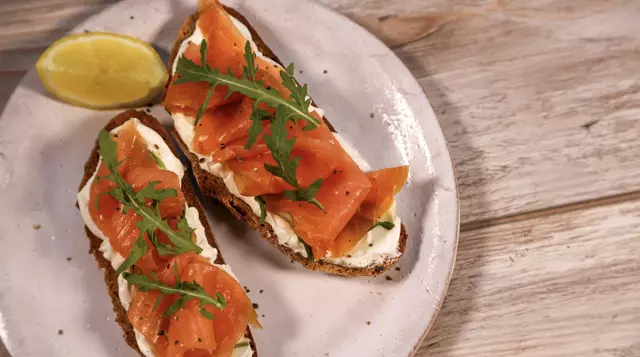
{"x": 540, "y": 103}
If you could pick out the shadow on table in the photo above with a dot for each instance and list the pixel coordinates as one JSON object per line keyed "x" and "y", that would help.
{"x": 3, "y": 350}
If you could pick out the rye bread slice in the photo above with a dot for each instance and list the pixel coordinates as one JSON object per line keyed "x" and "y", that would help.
{"x": 214, "y": 187}
{"x": 94, "y": 242}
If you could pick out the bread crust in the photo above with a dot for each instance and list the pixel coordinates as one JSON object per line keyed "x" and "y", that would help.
{"x": 110, "y": 277}
{"x": 214, "y": 187}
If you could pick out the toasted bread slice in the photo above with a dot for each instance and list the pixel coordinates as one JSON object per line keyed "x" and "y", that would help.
{"x": 94, "y": 242}
{"x": 214, "y": 186}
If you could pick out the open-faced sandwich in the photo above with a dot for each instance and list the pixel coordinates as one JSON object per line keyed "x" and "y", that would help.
{"x": 258, "y": 144}
{"x": 170, "y": 288}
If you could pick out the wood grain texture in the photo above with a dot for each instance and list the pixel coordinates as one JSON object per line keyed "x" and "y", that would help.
{"x": 539, "y": 101}
{"x": 562, "y": 285}
{"x": 28, "y": 27}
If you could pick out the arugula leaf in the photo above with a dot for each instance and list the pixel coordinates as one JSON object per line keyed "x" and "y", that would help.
{"x": 138, "y": 251}
{"x": 186, "y": 290}
{"x": 286, "y": 168}
{"x": 307, "y": 248}
{"x": 188, "y": 71}
{"x": 157, "y": 160}
{"x": 384, "y": 224}
{"x": 256, "y": 117}
{"x": 155, "y": 194}
{"x": 263, "y": 209}
{"x": 298, "y": 94}
{"x": 306, "y": 194}
{"x": 151, "y": 219}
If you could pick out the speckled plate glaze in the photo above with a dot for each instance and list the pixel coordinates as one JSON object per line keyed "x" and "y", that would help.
{"x": 53, "y": 301}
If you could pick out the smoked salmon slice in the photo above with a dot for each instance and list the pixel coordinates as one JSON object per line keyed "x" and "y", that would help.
{"x": 140, "y": 177}
{"x": 341, "y": 194}
{"x": 385, "y": 185}
{"x": 188, "y": 332}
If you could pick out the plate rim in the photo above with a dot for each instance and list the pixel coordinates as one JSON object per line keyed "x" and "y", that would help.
{"x": 456, "y": 238}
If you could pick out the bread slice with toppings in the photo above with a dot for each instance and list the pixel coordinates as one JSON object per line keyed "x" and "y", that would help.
{"x": 110, "y": 278}
{"x": 214, "y": 186}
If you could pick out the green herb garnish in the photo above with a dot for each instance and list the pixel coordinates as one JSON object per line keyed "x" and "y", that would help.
{"x": 156, "y": 158}
{"x": 242, "y": 344}
{"x": 281, "y": 149}
{"x": 307, "y": 248}
{"x": 188, "y": 71}
{"x": 292, "y": 109}
{"x": 384, "y": 224}
{"x": 186, "y": 290}
{"x": 263, "y": 209}
{"x": 151, "y": 218}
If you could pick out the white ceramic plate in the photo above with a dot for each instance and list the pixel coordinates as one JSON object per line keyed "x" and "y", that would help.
{"x": 369, "y": 96}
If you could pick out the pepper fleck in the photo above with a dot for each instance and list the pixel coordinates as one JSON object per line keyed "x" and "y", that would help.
{"x": 371, "y": 244}
{"x": 371, "y": 115}
{"x": 175, "y": 342}
{"x": 325, "y": 71}
{"x": 131, "y": 17}
{"x": 199, "y": 339}
{"x": 222, "y": 145}
{"x": 261, "y": 291}
{"x": 388, "y": 277}
{"x": 60, "y": 332}
{"x": 347, "y": 193}
{"x": 68, "y": 259}
{"x": 368, "y": 322}
{"x": 255, "y": 306}
{"x": 202, "y": 159}
{"x": 161, "y": 332}
{"x": 397, "y": 268}
{"x": 36, "y": 226}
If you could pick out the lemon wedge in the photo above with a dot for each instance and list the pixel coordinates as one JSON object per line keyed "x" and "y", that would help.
{"x": 101, "y": 70}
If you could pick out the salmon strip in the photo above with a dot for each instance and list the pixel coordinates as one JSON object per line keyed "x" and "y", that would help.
{"x": 341, "y": 195}
{"x": 385, "y": 185}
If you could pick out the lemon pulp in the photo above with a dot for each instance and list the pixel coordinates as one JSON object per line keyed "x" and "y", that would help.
{"x": 102, "y": 70}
